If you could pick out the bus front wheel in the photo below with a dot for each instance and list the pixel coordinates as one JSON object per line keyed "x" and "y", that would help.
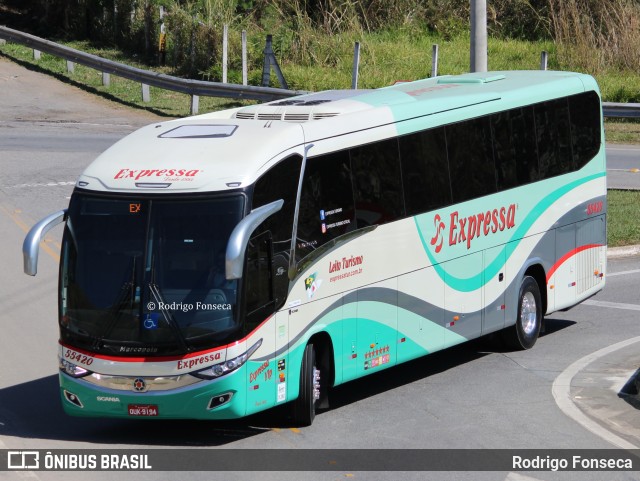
{"x": 524, "y": 333}
{"x": 304, "y": 408}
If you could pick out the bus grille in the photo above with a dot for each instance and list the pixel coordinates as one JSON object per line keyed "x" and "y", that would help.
{"x": 589, "y": 263}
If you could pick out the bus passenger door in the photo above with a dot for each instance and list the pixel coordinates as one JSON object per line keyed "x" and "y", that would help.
{"x": 463, "y": 298}
{"x": 260, "y": 320}
{"x": 495, "y": 282}
{"x": 281, "y": 371}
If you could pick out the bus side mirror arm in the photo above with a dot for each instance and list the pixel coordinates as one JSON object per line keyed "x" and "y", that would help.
{"x": 237, "y": 246}
{"x": 31, "y": 244}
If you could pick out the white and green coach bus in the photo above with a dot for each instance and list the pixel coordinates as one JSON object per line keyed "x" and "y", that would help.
{"x": 220, "y": 265}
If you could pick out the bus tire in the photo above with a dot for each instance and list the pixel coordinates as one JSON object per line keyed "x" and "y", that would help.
{"x": 524, "y": 334}
{"x": 304, "y": 408}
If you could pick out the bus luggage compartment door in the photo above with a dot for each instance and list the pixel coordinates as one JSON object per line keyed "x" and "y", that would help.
{"x": 495, "y": 281}
{"x": 463, "y": 298}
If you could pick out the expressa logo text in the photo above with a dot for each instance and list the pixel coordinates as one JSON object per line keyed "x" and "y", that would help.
{"x": 465, "y": 229}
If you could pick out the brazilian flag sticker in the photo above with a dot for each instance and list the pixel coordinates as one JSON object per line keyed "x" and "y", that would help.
{"x": 312, "y": 284}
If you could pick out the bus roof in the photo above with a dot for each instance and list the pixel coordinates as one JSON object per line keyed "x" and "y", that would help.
{"x": 232, "y": 148}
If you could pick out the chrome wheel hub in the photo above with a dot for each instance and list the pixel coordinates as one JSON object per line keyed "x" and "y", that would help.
{"x": 316, "y": 384}
{"x": 528, "y": 313}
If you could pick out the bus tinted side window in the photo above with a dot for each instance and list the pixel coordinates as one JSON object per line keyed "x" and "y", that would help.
{"x": 384, "y": 181}
{"x": 471, "y": 165}
{"x": 281, "y": 182}
{"x": 377, "y": 183}
{"x": 425, "y": 172}
{"x": 553, "y": 138}
{"x": 326, "y": 203}
{"x": 514, "y": 146}
{"x": 585, "y": 127}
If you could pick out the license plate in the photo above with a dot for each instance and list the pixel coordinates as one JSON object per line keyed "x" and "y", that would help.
{"x": 143, "y": 410}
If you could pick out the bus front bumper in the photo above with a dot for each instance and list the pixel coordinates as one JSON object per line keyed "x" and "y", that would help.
{"x": 218, "y": 399}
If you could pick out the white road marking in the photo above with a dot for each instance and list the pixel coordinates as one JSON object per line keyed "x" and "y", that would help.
{"x": 624, "y": 149}
{"x": 74, "y": 123}
{"x": 561, "y": 391}
{"x": 612, "y": 305}
{"x": 48, "y": 184}
{"x": 520, "y": 477}
{"x": 623, "y": 273}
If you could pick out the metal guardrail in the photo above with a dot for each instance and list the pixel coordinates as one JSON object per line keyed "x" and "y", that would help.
{"x": 627, "y": 111}
{"x": 146, "y": 78}
{"x": 196, "y": 88}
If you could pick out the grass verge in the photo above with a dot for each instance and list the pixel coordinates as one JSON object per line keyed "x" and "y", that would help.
{"x": 622, "y": 131}
{"x": 623, "y": 218}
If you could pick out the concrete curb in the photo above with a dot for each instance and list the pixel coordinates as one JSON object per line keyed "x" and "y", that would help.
{"x": 626, "y": 251}
{"x": 584, "y": 392}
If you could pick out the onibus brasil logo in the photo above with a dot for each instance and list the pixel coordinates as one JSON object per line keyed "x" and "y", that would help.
{"x": 465, "y": 229}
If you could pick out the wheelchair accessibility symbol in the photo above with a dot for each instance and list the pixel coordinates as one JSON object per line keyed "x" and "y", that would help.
{"x": 151, "y": 321}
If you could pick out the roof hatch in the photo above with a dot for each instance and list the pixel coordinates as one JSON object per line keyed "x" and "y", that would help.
{"x": 459, "y": 79}
{"x": 199, "y": 132}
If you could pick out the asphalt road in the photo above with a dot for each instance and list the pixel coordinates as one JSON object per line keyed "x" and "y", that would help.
{"x": 471, "y": 396}
{"x": 623, "y": 167}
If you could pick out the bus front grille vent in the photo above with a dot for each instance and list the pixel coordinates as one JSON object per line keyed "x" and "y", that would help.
{"x": 324, "y": 115}
{"x": 269, "y": 116}
{"x": 296, "y": 117}
{"x": 292, "y": 115}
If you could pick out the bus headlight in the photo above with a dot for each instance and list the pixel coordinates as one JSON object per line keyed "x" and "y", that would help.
{"x": 230, "y": 365}
{"x": 73, "y": 370}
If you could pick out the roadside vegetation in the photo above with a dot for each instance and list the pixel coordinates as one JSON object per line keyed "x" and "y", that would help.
{"x": 386, "y": 57}
{"x": 623, "y": 218}
{"x": 622, "y": 131}
{"x": 314, "y": 41}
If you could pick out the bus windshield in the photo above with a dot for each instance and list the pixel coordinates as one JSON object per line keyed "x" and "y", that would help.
{"x": 148, "y": 276}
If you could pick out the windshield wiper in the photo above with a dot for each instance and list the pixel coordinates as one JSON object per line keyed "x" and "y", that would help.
{"x": 166, "y": 313}
{"x": 114, "y": 314}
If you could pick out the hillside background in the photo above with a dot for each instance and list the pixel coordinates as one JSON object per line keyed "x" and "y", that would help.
{"x": 313, "y": 39}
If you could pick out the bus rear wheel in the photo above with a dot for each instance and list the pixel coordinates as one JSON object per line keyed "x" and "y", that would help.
{"x": 524, "y": 334}
{"x": 304, "y": 408}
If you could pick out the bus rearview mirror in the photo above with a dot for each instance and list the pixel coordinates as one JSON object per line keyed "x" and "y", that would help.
{"x": 31, "y": 244}
{"x": 237, "y": 246}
